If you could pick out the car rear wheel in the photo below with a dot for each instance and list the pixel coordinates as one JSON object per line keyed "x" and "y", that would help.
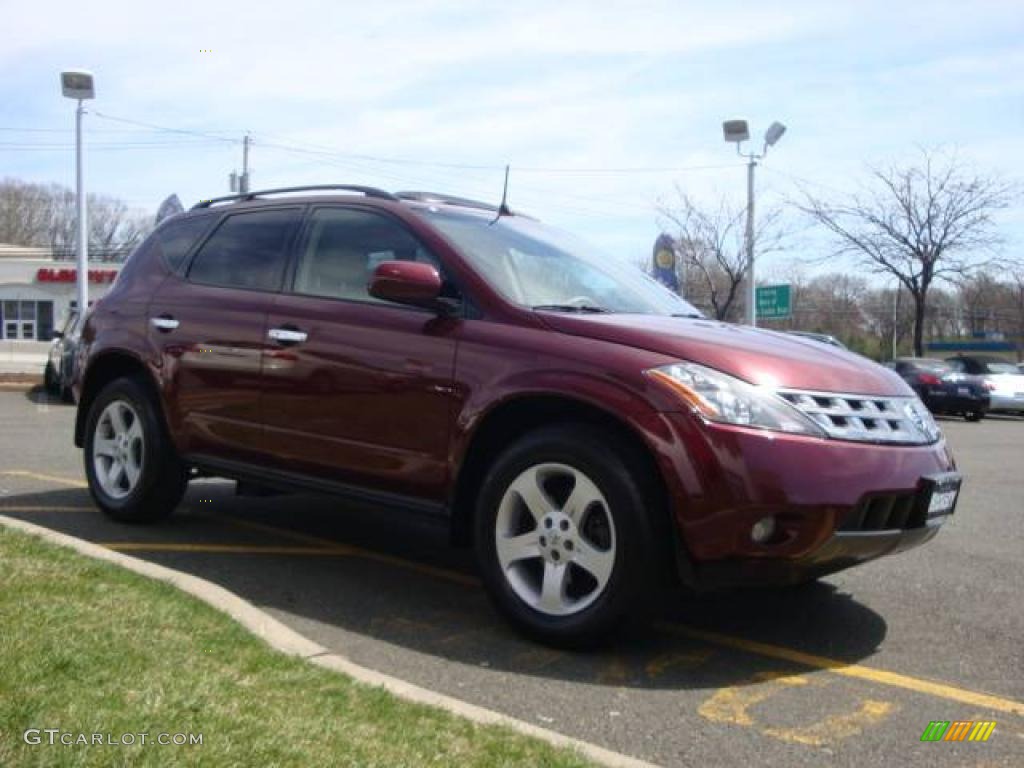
{"x": 134, "y": 474}
{"x": 563, "y": 537}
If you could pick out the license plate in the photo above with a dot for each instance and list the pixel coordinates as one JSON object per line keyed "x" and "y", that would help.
{"x": 963, "y": 390}
{"x": 942, "y": 503}
{"x": 942, "y": 492}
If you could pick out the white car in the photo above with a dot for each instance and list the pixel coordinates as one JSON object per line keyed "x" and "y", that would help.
{"x": 1004, "y": 379}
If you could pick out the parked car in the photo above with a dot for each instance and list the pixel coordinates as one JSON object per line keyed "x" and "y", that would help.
{"x": 824, "y": 338}
{"x": 60, "y": 361}
{"x": 1004, "y": 379}
{"x": 944, "y": 389}
{"x": 587, "y": 431}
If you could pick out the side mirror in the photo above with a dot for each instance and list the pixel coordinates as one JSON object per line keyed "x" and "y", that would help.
{"x": 407, "y": 282}
{"x": 57, "y": 335}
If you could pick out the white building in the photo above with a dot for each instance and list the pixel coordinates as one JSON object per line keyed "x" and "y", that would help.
{"x": 36, "y": 291}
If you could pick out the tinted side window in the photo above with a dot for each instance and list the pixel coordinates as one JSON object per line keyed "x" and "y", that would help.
{"x": 344, "y": 246}
{"x": 248, "y": 250}
{"x": 176, "y": 238}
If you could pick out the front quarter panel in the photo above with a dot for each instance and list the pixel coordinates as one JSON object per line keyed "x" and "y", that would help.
{"x": 499, "y": 363}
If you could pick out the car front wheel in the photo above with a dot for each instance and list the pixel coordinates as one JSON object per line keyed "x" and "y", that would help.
{"x": 133, "y": 471}
{"x": 563, "y": 536}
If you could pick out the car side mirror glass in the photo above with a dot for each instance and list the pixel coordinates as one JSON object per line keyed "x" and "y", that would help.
{"x": 407, "y": 282}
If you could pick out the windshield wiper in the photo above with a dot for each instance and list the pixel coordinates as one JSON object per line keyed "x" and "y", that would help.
{"x": 690, "y": 315}
{"x": 590, "y": 308}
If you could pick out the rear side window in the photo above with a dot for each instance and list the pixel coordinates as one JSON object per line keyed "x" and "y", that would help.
{"x": 174, "y": 240}
{"x": 248, "y": 250}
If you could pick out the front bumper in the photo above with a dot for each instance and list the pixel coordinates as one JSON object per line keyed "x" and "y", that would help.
{"x": 956, "y": 404}
{"x": 817, "y": 490}
{"x": 842, "y": 550}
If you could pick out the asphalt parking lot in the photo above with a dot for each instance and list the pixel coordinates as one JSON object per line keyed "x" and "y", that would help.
{"x": 846, "y": 672}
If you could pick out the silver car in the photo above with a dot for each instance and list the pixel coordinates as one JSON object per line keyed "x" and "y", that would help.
{"x": 1004, "y": 379}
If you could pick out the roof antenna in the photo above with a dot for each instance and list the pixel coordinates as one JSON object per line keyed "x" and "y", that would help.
{"x": 503, "y": 209}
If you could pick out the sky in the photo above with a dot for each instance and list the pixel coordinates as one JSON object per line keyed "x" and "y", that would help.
{"x": 602, "y": 109}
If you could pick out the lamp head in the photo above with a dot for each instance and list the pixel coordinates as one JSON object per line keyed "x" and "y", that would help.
{"x": 77, "y": 84}
{"x": 735, "y": 131}
{"x": 773, "y": 134}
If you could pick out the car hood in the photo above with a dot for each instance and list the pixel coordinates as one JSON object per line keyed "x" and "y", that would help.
{"x": 758, "y": 356}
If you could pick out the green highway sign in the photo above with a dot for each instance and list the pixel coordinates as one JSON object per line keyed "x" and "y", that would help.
{"x": 774, "y": 301}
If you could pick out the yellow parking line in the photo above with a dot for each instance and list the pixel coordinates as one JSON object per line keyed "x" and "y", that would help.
{"x": 365, "y": 554}
{"x": 241, "y": 549}
{"x": 880, "y": 676}
{"x": 857, "y": 671}
{"x": 4, "y": 508}
{"x": 46, "y": 478}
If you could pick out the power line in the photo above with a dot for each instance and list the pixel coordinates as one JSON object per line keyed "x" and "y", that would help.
{"x": 155, "y": 127}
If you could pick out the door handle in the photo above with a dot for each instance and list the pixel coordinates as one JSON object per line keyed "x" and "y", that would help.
{"x": 164, "y": 323}
{"x": 287, "y": 336}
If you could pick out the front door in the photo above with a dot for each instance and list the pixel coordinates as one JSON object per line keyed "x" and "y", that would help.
{"x": 357, "y": 390}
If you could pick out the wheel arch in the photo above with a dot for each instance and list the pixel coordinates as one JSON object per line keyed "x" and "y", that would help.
{"x": 105, "y": 368}
{"x": 515, "y": 417}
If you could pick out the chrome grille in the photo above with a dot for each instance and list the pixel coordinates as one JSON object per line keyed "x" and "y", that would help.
{"x": 863, "y": 418}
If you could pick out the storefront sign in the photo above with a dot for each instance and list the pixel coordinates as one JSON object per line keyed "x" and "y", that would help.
{"x": 48, "y": 275}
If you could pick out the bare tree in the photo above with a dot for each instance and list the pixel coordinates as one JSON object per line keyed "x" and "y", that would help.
{"x": 25, "y": 211}
{"x": 918, "y": 223}
{"x": 45, "y": 215}
{"x": 711, "y": 248}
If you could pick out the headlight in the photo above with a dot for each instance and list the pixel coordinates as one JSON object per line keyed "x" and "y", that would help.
{"x": 719, "y": 397}
{"x": 922, "y": 418}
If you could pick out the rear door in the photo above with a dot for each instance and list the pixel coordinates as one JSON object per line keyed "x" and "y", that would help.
{"x": 209, "y": 325}
{"x": 357, "y": 390}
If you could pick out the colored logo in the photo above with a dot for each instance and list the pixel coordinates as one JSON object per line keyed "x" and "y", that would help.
{"x": 665, "y": 259}
{"x": 958, "y": 730}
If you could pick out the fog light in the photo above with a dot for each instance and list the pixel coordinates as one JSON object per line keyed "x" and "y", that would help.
{"x": 763, "y": 529}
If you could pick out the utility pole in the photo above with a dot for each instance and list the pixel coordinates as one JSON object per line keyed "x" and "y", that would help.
{"x": 895, "y": 316}
{"x": 244, "y": 181}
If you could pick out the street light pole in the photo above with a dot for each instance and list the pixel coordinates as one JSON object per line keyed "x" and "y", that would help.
{"x": 737, "y": 132}
{"x": 83, "y": 227}
{"x": 78, "y": 85}
{"x": 751, "y": 282}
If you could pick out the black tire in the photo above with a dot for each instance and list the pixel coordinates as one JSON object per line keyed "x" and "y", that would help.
{"x": 633, "y": 583}
{"x": 974, "y": 415}
{"x": 50, "y": 383}
{"x": 163, "y": 478}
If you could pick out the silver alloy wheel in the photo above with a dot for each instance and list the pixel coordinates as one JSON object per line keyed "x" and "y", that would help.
{"x": 555, "y": 539}
{"x": 118, "y": 449}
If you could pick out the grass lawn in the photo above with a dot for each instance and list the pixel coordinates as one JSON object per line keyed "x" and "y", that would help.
{"x": 86, "y": 647}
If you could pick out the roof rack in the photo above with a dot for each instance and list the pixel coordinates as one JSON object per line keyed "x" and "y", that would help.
{"x": 368, "y": 191}
{"x": 435, "y": 197}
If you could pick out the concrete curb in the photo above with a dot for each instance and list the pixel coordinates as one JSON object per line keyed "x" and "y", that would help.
{"x": 283, "y": 638}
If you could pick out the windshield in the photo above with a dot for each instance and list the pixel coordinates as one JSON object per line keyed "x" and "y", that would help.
{"x": 535, "y": 266}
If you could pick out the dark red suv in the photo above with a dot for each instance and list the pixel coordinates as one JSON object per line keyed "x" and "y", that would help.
{"x": 587, "y": 431}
